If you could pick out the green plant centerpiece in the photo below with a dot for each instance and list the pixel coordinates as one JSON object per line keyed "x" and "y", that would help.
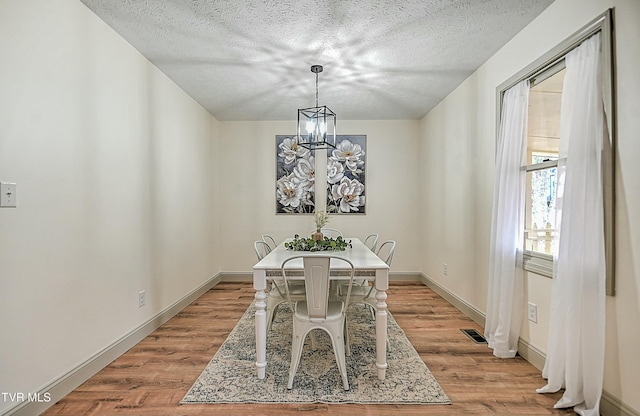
{"x": 309, "y": 244}
{"x": 321, "y": 219}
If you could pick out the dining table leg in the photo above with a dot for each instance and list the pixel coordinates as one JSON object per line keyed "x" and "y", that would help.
{"x": 381, "y": 327}
{"x": 261, "y": 327}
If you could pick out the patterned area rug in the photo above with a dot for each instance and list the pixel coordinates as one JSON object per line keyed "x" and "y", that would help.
{"x": 230, "y": 377}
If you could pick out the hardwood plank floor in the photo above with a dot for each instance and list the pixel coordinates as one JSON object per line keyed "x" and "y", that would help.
{"x": 152, "y": 377}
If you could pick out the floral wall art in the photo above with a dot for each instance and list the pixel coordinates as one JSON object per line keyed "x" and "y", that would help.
{"x": 345, "y": 182}
{"x": 346, "y": 167}
{"x": 295, "y": 177}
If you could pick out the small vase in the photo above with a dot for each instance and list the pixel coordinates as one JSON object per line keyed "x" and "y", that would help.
{"x": 317, "y": 235}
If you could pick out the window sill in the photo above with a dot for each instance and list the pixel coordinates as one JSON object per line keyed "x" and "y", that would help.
{"x": 538, "y": 263}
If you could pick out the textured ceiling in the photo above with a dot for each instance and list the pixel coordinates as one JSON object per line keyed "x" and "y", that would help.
{"x": 383, "y": 59}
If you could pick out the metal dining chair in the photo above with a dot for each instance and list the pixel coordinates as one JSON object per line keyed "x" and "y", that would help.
{"x": 386, "y": 250}
{"x": 371, "y": 241}
{"x": 261, "y": 248}
{"x": 276, "y": 294}
{"x": 366, "y": 294}
{"x": 271, "y": 242}
{"x": 318, "y": 311}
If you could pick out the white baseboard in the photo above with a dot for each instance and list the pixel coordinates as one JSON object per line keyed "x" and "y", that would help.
{"x": 612, "y": 406}
{"x": 405, "y": 277}
{"x": 473, "y": 313}
{"x": 66, "y": 383}
{"x": 236, "y": 277}
{"x": 532, "y": 354}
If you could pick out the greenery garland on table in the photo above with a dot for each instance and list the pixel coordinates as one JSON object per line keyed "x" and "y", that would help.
{"x": 309, "y": 244}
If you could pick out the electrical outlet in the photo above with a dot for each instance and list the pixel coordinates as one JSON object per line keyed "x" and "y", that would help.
{"x": 533, "y": 312}
{"x": 142, "y": 298}
{"x": 445, "y": 269}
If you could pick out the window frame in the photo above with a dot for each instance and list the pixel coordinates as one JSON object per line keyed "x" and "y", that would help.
{"x": 544, "y": 67}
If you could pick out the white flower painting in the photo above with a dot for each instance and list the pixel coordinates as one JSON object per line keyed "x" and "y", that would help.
{"x": 346, "y": 165}
{"x": 295, "y": 177}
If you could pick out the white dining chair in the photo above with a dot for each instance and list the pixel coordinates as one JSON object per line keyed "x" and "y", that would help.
{"x": 371, "y": 241}
{"x": 386, "y": 250}
{"x": 271, "y": 242}
{"x": 261, "y": 248}
{"x": 318, "y": 311}
{"x": 328, "y": 232}
{"x": 366, "y": 294}
{"x": 276, "y": 294}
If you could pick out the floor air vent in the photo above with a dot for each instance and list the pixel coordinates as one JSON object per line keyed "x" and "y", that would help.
{"x": 474, "y": 335}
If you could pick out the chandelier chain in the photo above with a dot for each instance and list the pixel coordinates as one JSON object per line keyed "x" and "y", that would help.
{"x": 316, "y": 89}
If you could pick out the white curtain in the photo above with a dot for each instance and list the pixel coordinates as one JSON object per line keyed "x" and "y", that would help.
{"x": 506, "y": 297}
{"x": 575, "y": 354}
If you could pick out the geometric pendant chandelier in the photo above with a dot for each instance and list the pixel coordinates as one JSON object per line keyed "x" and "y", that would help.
{"x": 316, "y": 125}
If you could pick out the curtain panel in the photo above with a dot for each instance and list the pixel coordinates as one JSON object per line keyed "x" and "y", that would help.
{"x": 575, "y": 353}
{"x": 506, "y": 294}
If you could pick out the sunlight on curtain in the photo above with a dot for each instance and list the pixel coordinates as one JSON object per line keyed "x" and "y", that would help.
{"x": 506, "y": 297}
{"x": 575, "y": 354}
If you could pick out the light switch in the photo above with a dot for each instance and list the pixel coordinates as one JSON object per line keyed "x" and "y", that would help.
{"x": 8, "y": 195}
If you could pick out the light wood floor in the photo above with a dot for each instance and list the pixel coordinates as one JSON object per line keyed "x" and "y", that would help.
{"x": 152, "y": 377}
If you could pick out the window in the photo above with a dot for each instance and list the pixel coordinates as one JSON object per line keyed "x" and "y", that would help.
{"x": 543, "y": 137}
{"x": 546, "y": 77}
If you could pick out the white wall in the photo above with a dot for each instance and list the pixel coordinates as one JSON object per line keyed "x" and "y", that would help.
{"x": 247, "y": 191}
{"x": 457, "y": 154}
{"x": 114, "y": 168}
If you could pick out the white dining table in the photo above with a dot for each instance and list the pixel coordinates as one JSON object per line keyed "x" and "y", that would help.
{"x": 367, "y": 266}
